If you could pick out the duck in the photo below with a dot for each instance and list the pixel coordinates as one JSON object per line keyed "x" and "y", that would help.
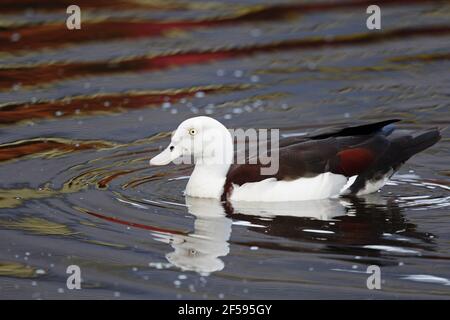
{"x": 326, "y": 163}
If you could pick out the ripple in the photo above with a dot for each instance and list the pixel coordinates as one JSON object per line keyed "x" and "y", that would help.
{"x": 392, "y": 249}
{"x": 427, "y": 279}
{"x": 68, "y": 98}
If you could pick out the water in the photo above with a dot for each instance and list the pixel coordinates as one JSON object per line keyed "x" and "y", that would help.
{"x": 82, "y": 112}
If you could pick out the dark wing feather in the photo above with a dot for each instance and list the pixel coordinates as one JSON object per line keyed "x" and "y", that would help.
{"x": 366, "y": 129}
{"x": 367, "y": 151}
{"x": 362, "y": 131}
{"x": 309, "y": 159}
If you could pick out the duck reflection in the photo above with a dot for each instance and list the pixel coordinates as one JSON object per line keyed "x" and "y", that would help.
{"x": 343, "y": 226}
{"x": 201, "y": 250}
{"x": 370, "y": 224}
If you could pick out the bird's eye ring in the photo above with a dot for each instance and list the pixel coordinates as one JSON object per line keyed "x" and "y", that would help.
{"x": 192, "y": 131}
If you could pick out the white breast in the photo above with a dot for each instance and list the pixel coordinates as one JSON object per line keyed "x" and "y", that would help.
{"x": 326, "y": 185}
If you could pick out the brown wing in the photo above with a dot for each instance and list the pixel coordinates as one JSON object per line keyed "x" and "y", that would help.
{"x": 311, "y": 158}
{"x": 367, "y": 153}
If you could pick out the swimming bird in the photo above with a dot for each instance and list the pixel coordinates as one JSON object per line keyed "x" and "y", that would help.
{"x": 326, "y": 163}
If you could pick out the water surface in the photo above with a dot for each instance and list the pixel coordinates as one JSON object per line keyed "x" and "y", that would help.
{"x": 82, "y": 112}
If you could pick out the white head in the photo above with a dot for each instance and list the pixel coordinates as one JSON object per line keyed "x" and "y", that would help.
{"x": 204, "y": 138}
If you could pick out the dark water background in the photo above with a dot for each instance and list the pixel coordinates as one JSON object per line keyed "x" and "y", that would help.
{"x": 82, "y": 112}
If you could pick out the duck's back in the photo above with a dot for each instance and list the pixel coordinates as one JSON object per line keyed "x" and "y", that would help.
{"x": 328, "y": 163}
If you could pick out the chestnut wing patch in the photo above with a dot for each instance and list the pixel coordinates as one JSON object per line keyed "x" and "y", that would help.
{"x": 354, "y": 161}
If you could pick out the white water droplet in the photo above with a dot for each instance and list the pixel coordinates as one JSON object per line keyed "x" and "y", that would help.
{"x": 254, "y": 78}
{"x": 15, "y": 37}
{"x": 238, "y": 73}
{"x": 199, "y": 94}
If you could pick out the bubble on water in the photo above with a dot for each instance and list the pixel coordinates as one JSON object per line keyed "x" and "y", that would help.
{"x": 34, "y": 283}
{"x": 33, "y": 100}
{"x": 221, "y": 296}
{"x": 194, "y": 110}
{"x": 135, "y": 269}
{"x": 357, "y": 257}
{"x": 227, "y": 116}
{"x": 254, "y": 78}
{"x": 238, "y": 73}
{"x": 237, "y": 110}
{"x": 60, "y": 290}
{"x": 141, "y": 118}
{"x": 166, "y": 105}
{"x": 310, "y": 269}
{"x": 401, "y": 263}
{"x": 173, "y": 111}
{"x": 209, "y": 111}
{"x": 107, "y": 104}
{"x": 182, "y": 277}
{"x": 199, "y": 94}
{"x": 177, "y": 283}
{"x": 16, "y": 87}
{"x": 354, "y": 266}
{"x": 248, "y": 108}
{"x": 15, "y": 37}
{"x": 284, "y": 106}
{"x": 59, "y": 113}
{"x": 220, "y": 72}
{"x": 191, "y": 288}
{"x": 254, "y": 248}
{"x": 41, "y": 271}
{"x": 117, "y": 294}
{"x": 183, "y": 100}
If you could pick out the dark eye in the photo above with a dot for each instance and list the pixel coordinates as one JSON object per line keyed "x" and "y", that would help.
{"x": 192, "y": 131}
{"x": 171, "y": 148}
